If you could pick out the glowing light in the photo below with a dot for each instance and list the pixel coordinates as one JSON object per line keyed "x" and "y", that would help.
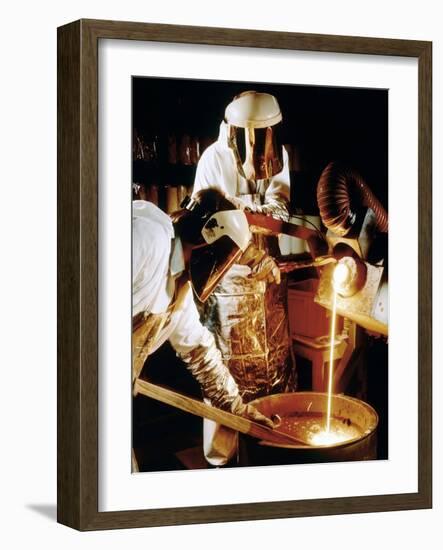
{"x": 328, "y": 438}
{"x": 340, "y": 275}
{"x": 331, "y": 359}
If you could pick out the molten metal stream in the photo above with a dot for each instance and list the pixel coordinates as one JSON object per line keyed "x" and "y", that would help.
{"x": 331, "y": 360}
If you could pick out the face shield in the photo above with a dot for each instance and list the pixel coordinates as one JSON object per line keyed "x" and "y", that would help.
{"x": 258, "y": 151}
{"x": 226, "y": 236}
{"x": 254, "y": 135}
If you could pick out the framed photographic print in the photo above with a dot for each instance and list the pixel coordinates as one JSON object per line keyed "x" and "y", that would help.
{"x": 232, "y": 206}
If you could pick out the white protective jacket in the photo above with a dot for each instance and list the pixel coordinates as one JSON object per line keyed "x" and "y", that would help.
{"x": 157, "y": 263}
{"x": 217, "y": 168}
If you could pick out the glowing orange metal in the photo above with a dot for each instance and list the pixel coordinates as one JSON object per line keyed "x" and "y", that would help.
{"x": 331, "y": 360}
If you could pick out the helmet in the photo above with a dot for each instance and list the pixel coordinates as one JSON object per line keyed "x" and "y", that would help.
{"x": 254, "y": 125}
{"x": 218, "y": 233}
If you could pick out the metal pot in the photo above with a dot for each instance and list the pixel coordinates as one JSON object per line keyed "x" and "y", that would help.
{"x": 350, "y": 411}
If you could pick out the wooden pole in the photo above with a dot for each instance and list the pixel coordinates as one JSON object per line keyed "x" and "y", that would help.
{"x": 193, "y": 406}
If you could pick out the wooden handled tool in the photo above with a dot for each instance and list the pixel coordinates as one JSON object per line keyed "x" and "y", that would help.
{"x": 193, "y": 406}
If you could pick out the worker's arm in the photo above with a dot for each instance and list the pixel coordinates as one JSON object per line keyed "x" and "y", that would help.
{"x": 196, "y": 347}
{"x": 277, "y": 195}
{"x": 208, "y": 172}
{"x": 263, "y": 267}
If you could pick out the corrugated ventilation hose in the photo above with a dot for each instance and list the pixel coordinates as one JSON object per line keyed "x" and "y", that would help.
{"x": 337, "y": 187}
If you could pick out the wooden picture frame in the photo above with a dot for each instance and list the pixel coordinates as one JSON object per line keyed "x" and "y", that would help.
{"x": 78, "y": 274}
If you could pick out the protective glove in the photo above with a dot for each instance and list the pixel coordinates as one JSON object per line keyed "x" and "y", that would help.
{"x": 266, "y": 270}
{"x": 276, "y": 206}
{"x": 249, "y": 411}
{"x": 263, "y": 267}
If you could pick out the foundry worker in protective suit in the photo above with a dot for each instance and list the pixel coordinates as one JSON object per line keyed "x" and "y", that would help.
{"x": 247, "y": 311}
{"x": 173, "y": 259}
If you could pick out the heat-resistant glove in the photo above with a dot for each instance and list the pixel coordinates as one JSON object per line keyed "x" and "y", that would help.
{"x": 266, "y": 270}
{"x": 206, "y": 364}
{"x": 263, "y": 267}
{"x": 249, "y": 411}
{"x": 277, "y": 207}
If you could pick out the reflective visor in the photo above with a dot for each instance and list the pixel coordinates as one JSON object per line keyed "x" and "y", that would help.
{"x": 209, "y": 263}
{"x": 259, "y": 149}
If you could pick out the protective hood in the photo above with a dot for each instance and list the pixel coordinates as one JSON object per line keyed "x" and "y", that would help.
{"x": 226, "y": 235}
{"x": 253, "y": 135}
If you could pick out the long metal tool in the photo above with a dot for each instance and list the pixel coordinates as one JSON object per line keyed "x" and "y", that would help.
{"x": 193, "y": 406}
{"x": 268, "y": 225}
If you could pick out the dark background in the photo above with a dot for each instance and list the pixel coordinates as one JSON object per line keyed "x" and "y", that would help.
{"x": 321, "y": 123}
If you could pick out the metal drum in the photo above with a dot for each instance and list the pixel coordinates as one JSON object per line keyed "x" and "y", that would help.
{"x": 352, "y": 413}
